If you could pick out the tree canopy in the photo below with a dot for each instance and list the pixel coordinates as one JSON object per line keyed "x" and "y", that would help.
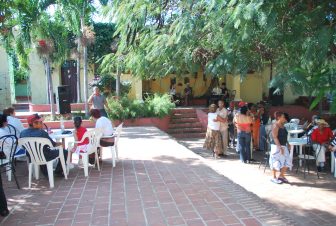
{"x": 231, "y": 36}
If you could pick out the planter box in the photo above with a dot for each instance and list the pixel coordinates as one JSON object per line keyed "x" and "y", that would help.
{"x": 46, "y": 107}
{"x": 199, "y": 102}
{"x": 161, "y": 123}
{"x": 68, "y": 124}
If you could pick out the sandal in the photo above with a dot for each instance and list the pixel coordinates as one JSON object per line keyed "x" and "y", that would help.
{"x": 284, "y": 180}
{"x": 276, "y": 181}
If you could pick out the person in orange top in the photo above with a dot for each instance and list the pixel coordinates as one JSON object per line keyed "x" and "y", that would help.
{"x": 321, "y": 137}
{"x": 243, "y": 123}
{"x": 255, "y": 126}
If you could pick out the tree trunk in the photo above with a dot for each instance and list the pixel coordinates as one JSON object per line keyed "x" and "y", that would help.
{"x": 85, "y": 81}
{"x": 79, "y": 99}
{"x": 86, "y": 105}
{"x": 118, "y": 82}
{"x": 50, "y": 87}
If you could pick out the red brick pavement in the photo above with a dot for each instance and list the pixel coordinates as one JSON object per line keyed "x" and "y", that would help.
{"x": 157, "y": 182}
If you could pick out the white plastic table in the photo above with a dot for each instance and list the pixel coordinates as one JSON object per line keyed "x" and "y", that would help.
{"x": 58, "y": 136}
{"x": 297, "y": 142}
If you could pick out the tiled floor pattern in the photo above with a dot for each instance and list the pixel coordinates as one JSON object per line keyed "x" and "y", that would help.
{"x": 156, "y": 182}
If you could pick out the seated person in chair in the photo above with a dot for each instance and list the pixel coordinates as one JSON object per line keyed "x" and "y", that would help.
{"x": 332, "y": 146}
{"x": 78, "y": 147}
{"x": 6, "y": 144}
{"x": 4, "y": 132}
{"x": 12, "y": 120}
{"x": 320, "y": 138}
{"x": 35, "y": 129}
{"x": 106, "y": 125}
{"x": 225, "y": 92}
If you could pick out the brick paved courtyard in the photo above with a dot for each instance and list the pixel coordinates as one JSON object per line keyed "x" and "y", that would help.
{"x": 157, "y": 182}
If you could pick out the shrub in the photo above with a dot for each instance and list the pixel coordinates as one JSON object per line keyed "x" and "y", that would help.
{"x": 155, "y": 106}
{"x": 159, "y": 105}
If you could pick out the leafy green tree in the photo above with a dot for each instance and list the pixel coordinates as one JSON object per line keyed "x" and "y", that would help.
{"x": 78, "y": 13}
{"x": 235, "y": 36}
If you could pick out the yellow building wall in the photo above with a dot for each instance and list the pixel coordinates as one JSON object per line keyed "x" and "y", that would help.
{"x": 136, "y": 86}
{"x": 162, "y": 85}
{"x": 251, "y": 88}
{"x": 5, "y": 91}
{"x": 38, "y": 79}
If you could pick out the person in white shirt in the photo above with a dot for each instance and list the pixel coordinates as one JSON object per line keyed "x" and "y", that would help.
{"x": 102, "y": 122}
{"x": 213, "y": 139}
{"x": 216, "y": 91}
{"x": 222, "y": 112}
{"x": 5, "y": 143}
{"x": 106, "y": 125}
{"x": 12, "y": 120}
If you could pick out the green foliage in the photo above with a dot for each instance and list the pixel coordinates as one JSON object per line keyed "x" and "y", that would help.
{"x": 107, "y": 83}
{"x": 104, "y": 38}
{"x": 159, "y": 105}
{"x": 156, "y": 106}
{"x": 236, "y": 36}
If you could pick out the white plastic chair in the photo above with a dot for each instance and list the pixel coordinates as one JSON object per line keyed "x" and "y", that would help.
{"x": 34, "y": 146}
{"x": 114, "y": 148}
{"x": 94, "y": 138}
{"x": 8, "y": 146}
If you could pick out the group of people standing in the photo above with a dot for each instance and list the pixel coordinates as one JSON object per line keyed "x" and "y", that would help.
{"x": 250, "y": 122}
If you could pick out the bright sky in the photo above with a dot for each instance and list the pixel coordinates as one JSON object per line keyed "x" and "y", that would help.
{"x": 97, "y": 17}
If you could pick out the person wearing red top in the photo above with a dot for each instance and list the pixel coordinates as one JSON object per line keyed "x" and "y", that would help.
{"x": 78, "y": 135}
{"x": 321, "y": 137}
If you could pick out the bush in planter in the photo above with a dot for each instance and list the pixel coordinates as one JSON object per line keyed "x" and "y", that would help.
{"x": 159, "y": 105}
{"x": 156, "y": 106}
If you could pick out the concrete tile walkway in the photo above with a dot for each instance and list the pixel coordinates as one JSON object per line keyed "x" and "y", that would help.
{"x": 310, "y": 201}
{"x": 157, "y": 182}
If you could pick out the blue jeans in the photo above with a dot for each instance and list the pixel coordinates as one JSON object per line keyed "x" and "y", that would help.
{"x": 103, "y": 113}
{"x": 244, "y": 146}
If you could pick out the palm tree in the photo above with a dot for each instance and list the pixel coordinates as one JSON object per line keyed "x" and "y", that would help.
{"x": 77, "y": 13}
{"x": 52, "y": 46}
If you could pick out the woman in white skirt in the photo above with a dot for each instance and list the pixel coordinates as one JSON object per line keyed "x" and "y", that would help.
{"x": 213, "y": 138}
{"x": 280, "y": 159}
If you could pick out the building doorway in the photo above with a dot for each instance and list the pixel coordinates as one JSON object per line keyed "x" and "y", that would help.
{"x": 69, "y": 78}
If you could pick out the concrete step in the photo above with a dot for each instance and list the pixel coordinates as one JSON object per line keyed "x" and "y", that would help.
{"x": 188, "y": 135}
{"x": 185, "y": 125}
{"x": 183, "y": 120}
{"x": 185, "y": 130}
{"x": 183, "y": 110}
{"x": 22, "y": 99}
{"x": 21, "y": 106}
{"x": 184, "y": 115}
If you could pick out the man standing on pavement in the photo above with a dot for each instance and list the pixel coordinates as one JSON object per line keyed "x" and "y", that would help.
{"x": 223, "y": 128}
{"x": 98, "y": 101}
